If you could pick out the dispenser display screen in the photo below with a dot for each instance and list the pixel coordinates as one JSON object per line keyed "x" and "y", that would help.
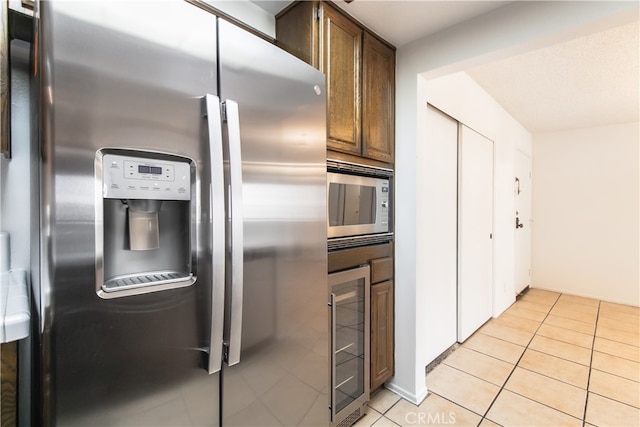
{"x": 150, "y": 169}
{"x": 133, "y": 177}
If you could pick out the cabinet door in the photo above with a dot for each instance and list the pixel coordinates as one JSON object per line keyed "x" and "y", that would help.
{"x": 381, "y": 333}
{"x": 378, "y": 98}
{"x": 297, "y": 32}
{"x": 340, "y": 61}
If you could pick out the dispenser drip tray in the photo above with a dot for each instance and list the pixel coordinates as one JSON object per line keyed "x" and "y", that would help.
{"x": 151, "y": 278}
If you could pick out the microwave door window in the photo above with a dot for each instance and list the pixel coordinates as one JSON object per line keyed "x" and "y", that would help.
{"x": 367, "y": 205}
{"x": 336, "y": 204}
{"x": 351, "y": 204}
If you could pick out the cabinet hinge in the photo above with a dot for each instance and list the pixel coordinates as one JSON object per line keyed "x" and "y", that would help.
{"x": 223, "y": 110}
{"x": 316, "y": 13}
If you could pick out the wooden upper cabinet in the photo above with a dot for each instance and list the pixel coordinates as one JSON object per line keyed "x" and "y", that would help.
{"x": 360, "y": 70}
{"x": 378, "y": 100}
{"x": 340, "y": 61}
{"x": 298, "y": 33}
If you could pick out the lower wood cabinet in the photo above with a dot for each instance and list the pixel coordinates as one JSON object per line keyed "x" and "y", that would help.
{"x": 9, "y": 384}
{"x": 381, "y": 333}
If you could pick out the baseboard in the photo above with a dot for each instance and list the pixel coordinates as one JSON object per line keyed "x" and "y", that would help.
{"x": 416, "y": 399}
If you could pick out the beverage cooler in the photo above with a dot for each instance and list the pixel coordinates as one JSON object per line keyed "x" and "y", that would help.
{"x": 350, "y": 318}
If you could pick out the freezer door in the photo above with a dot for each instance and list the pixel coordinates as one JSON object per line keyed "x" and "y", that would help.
{"x": 116, "y": 75}
{"x": 278, "y": 335}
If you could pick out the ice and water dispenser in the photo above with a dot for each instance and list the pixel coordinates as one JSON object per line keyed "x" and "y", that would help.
{"x": 143, "y": 240}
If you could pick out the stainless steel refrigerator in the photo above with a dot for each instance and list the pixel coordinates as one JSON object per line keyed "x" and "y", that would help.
{"x": 183, "y": 221}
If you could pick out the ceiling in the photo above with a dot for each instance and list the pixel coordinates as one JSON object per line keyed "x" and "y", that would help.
{"x": 589, "y": 81}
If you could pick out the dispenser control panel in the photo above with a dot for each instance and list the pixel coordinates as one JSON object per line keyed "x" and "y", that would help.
{"x": 127, "y": 177}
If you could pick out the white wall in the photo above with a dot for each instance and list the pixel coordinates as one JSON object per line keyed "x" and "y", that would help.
{"x": 514, "y": 28}
{"x": 586, "y": 194}
{"x": 16, "y": 173}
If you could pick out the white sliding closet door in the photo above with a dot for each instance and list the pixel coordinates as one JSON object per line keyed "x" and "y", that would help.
{"x": 475, "y": 228}
{"x": 437, "y": 242}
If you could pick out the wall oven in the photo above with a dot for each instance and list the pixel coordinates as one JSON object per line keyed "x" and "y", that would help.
{"x": 358, "y": 204}
{"x": 349, "y": 344}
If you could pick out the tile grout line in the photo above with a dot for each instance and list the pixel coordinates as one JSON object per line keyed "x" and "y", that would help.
{"x": 617, "y": 376}
{"x": 552, "y": 378}
{"x": 593, "y": 343}
{"x": 560, "y": 357}
{"x": 569, "y": 318}
{"x": 383, "y": 414}
{"x": 457, "y": 404}
{"x": 517, "y": 363}
{"x": 613, "y": 400}
{"x": 474, "y": 376}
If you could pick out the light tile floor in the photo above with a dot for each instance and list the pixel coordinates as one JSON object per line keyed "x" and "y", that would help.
{"x": 549, "y": 360}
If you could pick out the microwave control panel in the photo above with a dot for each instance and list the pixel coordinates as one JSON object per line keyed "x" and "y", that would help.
{"x": 128, "y": 177}
{"x": 384, "y": 203}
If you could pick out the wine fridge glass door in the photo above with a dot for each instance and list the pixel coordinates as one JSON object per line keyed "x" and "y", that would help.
{"x": 350, "y": 341}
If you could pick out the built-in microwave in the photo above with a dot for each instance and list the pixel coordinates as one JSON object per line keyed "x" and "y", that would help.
{"x": 358, "y": 201}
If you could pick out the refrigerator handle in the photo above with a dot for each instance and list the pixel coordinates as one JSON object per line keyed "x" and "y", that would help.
{"x": 217, "y": 227}
{"x": 237, "y": 239}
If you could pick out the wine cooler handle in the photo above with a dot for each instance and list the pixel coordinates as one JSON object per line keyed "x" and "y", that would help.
{"x": 217, "y": 234}
{"x": 237, "y": 238}
{"x": 332, "y": 305}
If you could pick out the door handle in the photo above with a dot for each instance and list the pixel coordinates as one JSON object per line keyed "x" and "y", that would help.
{"x": 217, "y": 231}
{"x": 236, "y": 229}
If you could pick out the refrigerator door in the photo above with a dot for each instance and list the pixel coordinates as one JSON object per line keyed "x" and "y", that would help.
{"x": 279, "y": 375}
{"x": 118, "y": 75}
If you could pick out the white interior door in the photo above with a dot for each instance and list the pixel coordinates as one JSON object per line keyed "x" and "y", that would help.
{"x": 438, "y": 225}
{"x": 522, "y": 221}
{"x": 475, "y": 228}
